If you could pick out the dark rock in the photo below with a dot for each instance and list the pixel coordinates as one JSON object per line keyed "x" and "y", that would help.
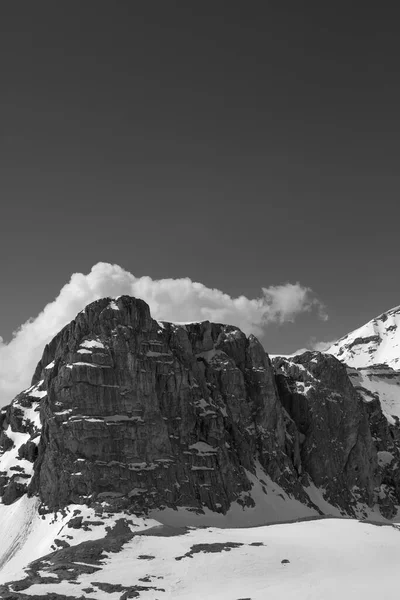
{"x": 335, "y": 442}
{"x": 386, "y": 439}
{"x": 61, "y": 543}
{"x": 210, "y": 548}
{"x": 75, "y": 523}
{"x": 28, "y": 451}
{"x": 13, "y": 491}
{"x": 144, "y": 414}
{"x": 5, "y": 442}
{"x": 256, "y": 544}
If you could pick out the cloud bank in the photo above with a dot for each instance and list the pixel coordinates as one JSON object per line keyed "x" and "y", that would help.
{"x": 169, "y": 300}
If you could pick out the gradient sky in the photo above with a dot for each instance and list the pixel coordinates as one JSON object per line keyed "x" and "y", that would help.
{"x": 239, "y": 144}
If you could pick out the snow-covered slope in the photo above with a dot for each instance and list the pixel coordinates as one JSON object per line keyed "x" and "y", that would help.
{"x": 374, "y": 351}
{"x": 375, "y": 343}
{"x": 379, "y": 382}
{"x": 131, "y": 557}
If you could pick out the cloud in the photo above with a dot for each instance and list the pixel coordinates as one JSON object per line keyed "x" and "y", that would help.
{"x": 323, "y": 346}
{"x": 169, "y": 299}
{"x": 314, "y": 345}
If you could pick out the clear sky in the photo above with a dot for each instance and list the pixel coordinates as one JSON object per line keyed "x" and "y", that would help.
{"x": 241, "y": 144}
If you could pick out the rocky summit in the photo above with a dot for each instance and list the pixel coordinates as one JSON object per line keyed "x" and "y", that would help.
{"x": 134, "y": 431}
{"x": 147, "y": 415}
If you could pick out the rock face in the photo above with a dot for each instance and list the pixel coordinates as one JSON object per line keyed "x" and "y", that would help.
{"x": 19, "y": 438}
{"x": 146, "y": 414}
{"x": 155, "y": 414}
{"x": 378, "y": 389}
{"x": 372, "y": 356}
{"x": 336, "y": 446}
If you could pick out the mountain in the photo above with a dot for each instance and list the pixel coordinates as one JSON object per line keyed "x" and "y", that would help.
{"x": 135, "y": 430}
{"x": 375, "y": 343}
{"x": 373, "y": 354}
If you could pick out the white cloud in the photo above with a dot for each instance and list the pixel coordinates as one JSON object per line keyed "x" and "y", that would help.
{"x": 314, "y": 345}
{"x": 323, "y": 346}
{"x": 169, "y": 299}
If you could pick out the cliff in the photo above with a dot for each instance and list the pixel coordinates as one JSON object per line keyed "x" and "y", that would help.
{"x": 146, "y": 415}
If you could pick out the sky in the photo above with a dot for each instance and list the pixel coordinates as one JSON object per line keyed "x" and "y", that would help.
{"x": 240, "y": 145}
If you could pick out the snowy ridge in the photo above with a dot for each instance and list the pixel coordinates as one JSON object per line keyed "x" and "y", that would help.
{"x": 372, "y": 354}
{"x": 375, "y": 343}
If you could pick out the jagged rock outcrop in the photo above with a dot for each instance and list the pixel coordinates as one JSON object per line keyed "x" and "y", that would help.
{"x": 147, "y": 414}
{"x": 372, "y": 357}
{"x": 19, "y": 438}
{"x": 156, "y": 414}
{"x": 336, "y": 445}
{"x": 384, "y": 428}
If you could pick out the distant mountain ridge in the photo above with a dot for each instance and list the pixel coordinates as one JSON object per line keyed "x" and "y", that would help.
{"x": 375, "y": 343}
{"x": 372, "y": 354}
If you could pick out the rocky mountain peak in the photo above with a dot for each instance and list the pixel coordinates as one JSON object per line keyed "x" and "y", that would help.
{"x": 147, "y": 415}
{"x": 372, "y": 355}
{"x": 134, "y": 428}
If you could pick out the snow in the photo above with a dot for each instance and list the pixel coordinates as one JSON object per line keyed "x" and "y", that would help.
{"x": 108, "y": 420}
{"x": 38, "y": 393}
{"x": 85, "y": 364}
{"x": 10, "y": 458}
{"x": 203, "y": 448}
{"x": 385, "y": 383}
{"x": 316, "y": 496}
{"x": 25, "y": 535}
{"x": 327, "y": 559}
{"x": 372, "y": 355}
{"x": 309, "y": 560}
{"x": 34, "y": 391}
{"x": 31, "y": 413}
{"x": 183, "y": 323}
{"x": 92, "y": 344}
{"x": 376, "y": 342}
{"x": 271, "y": 505}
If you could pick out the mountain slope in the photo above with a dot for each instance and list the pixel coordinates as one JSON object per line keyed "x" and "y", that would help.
{"x": 135, "y": 431}
{"x": 138, "y": 558}
{"x": 375, "y": 343}
{"x": 148, "y": 415}
{"x": 374, "y": 351}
